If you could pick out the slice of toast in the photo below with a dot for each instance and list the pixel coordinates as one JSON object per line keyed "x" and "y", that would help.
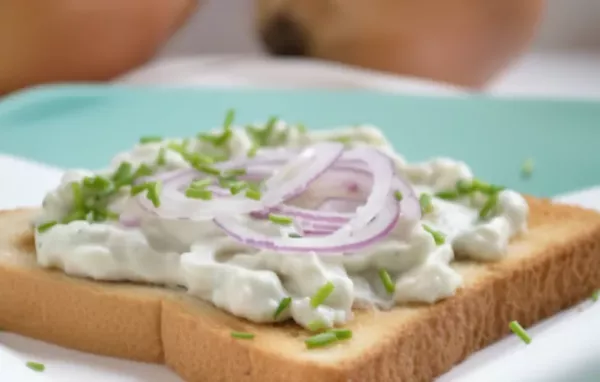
{"x": 553, "y": 266}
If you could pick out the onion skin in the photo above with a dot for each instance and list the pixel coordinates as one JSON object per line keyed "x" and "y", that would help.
{"x": 49, "y": 41}
{"x": 463, "y": 42}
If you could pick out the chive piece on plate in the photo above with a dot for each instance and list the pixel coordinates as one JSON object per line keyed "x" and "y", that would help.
{"x": 294, "y": 235}
{"x": 519, "y": 331}
{"x": 321, "y": 340}
{"x": 280, "y": 219}
{"x": 527, "y": 168}
{"x": 387, "y": 282}
{"x": 46, "y": 226}
{"x": 123, "y": 173}
{"x": 398, "y": 195}
{"x": 153, "y": 193}
{"x": 283, "y": 305}
{"x": 36, "y": 366}
{"x": 425, "y": 202}
{"x": 448, "y": 195}
{"x": 242, "y": 335}
{"x": 210, "y": 170}
{"x": 438, "y": 237}
{"x": 316, "y": 325}
{"x": 321, "y": 295}
{"x": 342, "y": 334}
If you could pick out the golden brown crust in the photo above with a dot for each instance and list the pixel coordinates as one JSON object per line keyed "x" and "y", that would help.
{"x": 552, "y": 267}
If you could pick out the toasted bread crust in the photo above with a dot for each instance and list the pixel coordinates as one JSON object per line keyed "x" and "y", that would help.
{"x": 552, "y": 267}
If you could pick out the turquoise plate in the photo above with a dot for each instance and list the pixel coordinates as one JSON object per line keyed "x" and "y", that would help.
{"x": 83, "y": 126}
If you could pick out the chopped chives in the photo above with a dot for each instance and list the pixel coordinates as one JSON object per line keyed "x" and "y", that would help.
{"x": 201, "y": 183}
{"x": 519, "y": 331}
{"x": 153, "y": 193}
{"x": 235, "y": 172}
{"x": 150, "y": 139}
{"x": 237, "y": 187}
{"x": 98, "y": 183}
{"x": 387, "y": 282}
{"x": 143, "y": 170}
{"x": 294, "y": 235}
{"x": 229, "y": 117}
{"x": 252, "y": 152}
{"x": 425, "y": 202}
{"x": 527, "y": 168}
{"x": 489, "y": 206}
{"x": 138, "y": 188}
{"x": 485, "y": 188}
{"x": 438, "y": 237}
{"x": 198, "y": 193}
{"x": 321, "y": 295}
{"x": 46, "y": 226}
{"x": 283, "y": 305}
{"x": 398, "y": 195}
{"x": 316, "y": 325}
{"x": 253, "y": 194}
{"x": 464, "y": 186}
{"x": 78, "y": 200}
{"x": 448, "y": 195}
{"x": 321, "y": 340}
{"x": 595, "y": 295}
{"x": 270, "y": 125}
{"x": 74, "y": 215}
{"x": 161, "y": 160}
{"x": 301, "y": 128}
{"x": 280, "y": 219}
{"x": 242, "y": 335}
{"x": 342, "y": 334}
{"x": 36, "y": 366}
{"x": 207, "y": 169}
{"x": 123, "y": 173}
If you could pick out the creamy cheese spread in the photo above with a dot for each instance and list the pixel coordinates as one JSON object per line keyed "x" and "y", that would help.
{"x": 251, "y": 282}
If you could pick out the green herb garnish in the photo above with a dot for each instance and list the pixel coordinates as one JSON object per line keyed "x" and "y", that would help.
{"x": 527, "y": 168}
{"x": 242, "y": 335}
{"x": 234, "y": 172}
{"x": 387, "y": 282}
{"x": 201, "y": 183}
{"x": 283, "y": 305}
{"x": 207, "y": 169}
{"x": 426, "y": 204}
{"x": 36, "y": 366}
{"x": 78, "y": 199}
{"x": 123, "y": 173}
{"x": 490, "y": 205}
{"x": 316, "y": 325}
{"x": 301, "y": 128}
{"x": 280, "y": 219}
{"x": 448, "y": 195}
{"x": 438, "y": 237}
{"x": 96, "y": 183}
{"x": 321, "y": 340}
{"x": 46, "y": 226}
{"x": 519, "y": 331}
{"x": 237, "y": 187}
{"x": 143, "y": 170}
{"x": 294, "y": 235}
{"x": 321, "y": 295}
{"x": 150, "y": 139}
{"x": 398, "y": 195}
{"x": 595, "y": 295}
{"x": 161, "y": 159}
{"x": 252, "y": 152}
{"x": 342, "y": 334}
{"x": 253, "y": 194}
{"x": 198, "y": 193}
{"x": 153, "y": 193}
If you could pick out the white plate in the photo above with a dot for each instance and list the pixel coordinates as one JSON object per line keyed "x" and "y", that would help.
{"x": 564, "y": 348}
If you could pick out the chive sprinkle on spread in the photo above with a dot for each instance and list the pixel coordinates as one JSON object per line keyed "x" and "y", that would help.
{"x": 253, "y": 194}
{"x": 527, "y": 168}
{"x": 342, "y": 334}
{"x": 242, "y": 335}
{"x": 198, "y": 193}
{"x": 490, "y": 205}
{"x": 321, "y": 295}
{"x": 280, "y": 219}
{"x": 161, "y": 159}
{"x": 448, "y": 195}
{"x": 150, "y": 139}
{"x": 283, "y": 305}
{"x": 426, "y": 205}
{"x": 294, "y": 235}
{"x": 519, "y": 331}
{"x": 595, "y": 295}
{"x": 398, "y": 195}
{"x": 316, "y": 325}
{"x": 438, "y": 237}
{"x": 321, "y": 340}
{"x": 36, "y": 366}
{"x": 153, "y": 193}
{"x": 387, "y": 282}
{"x": 46, "y": 226}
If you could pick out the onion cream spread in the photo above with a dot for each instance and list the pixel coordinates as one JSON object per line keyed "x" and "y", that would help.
{"x": 272, "y": 222}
